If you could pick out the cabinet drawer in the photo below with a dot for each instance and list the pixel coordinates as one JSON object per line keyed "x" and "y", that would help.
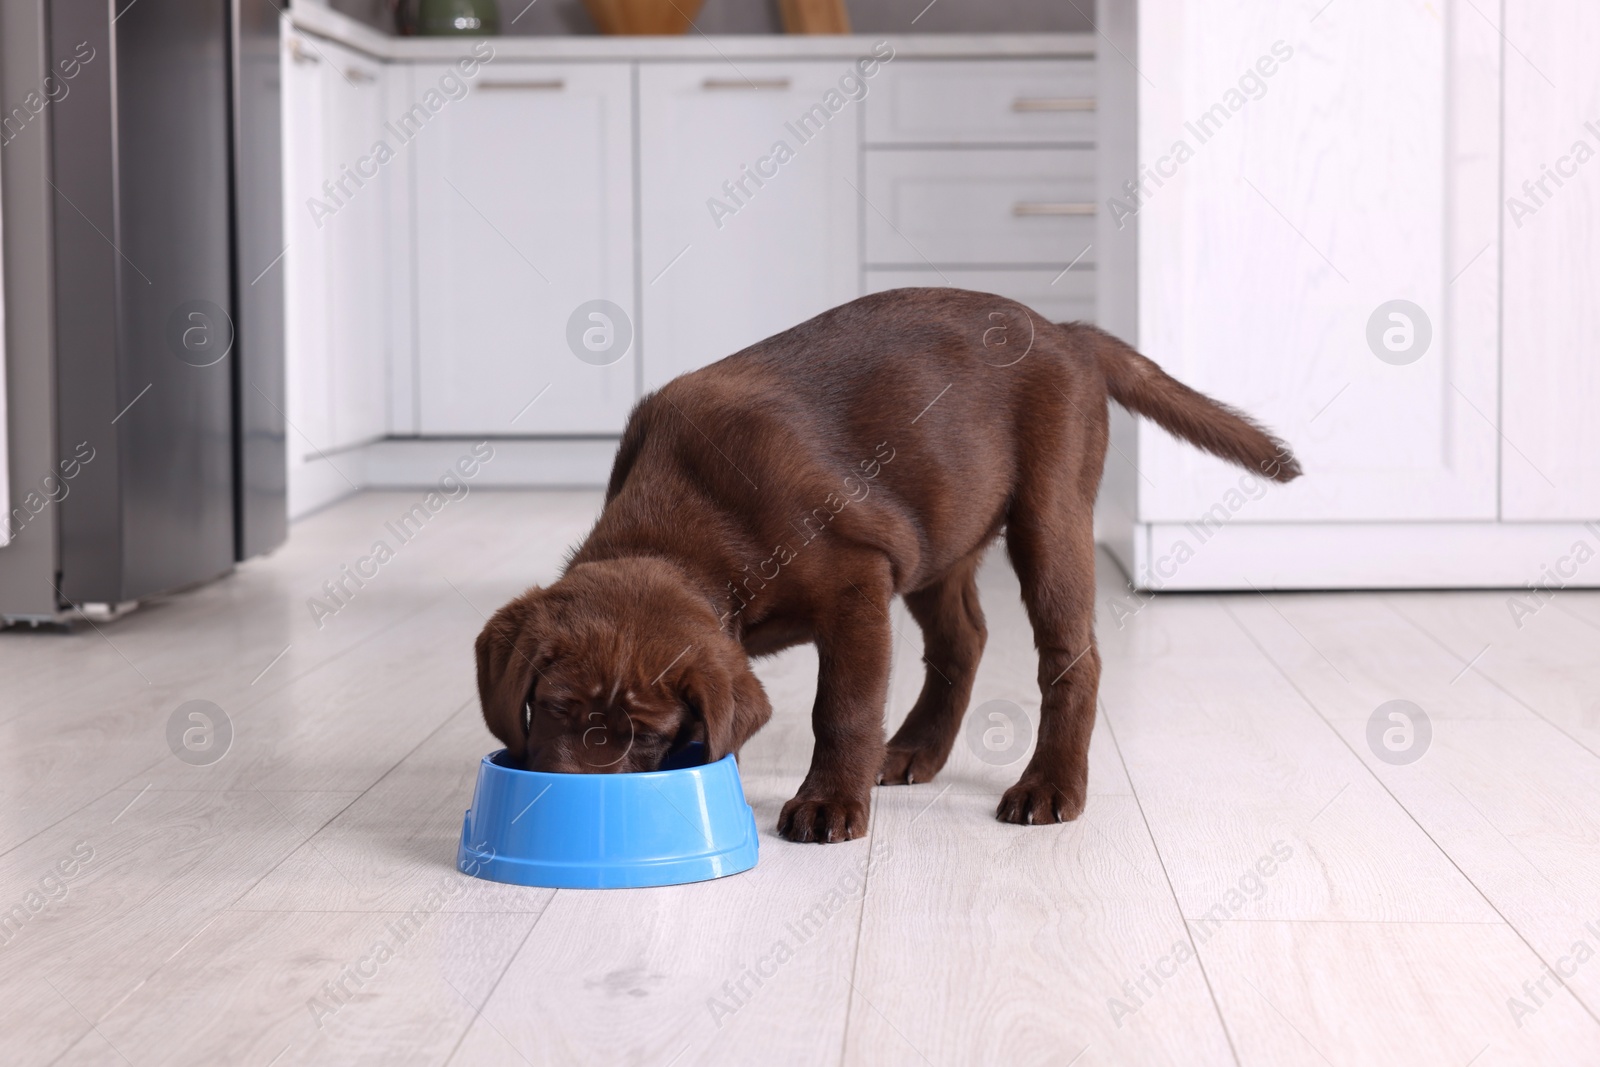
{"x": 991, "y": 207}
{"x": 1015, "y": 101}
{"x": 1057, "y": 297}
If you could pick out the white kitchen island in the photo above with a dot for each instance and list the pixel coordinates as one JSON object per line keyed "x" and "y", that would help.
{"x": 1315, "y": 232}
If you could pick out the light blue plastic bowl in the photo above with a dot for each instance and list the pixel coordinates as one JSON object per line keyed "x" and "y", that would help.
{"x": 608, "y": 831}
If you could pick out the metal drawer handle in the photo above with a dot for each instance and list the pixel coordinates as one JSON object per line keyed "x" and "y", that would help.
{"x": 1035, "y": 209}
{"x": 547, "y": 84}
{"x": 1053, "y": 103}
{"x": 298, "y": 53}
{"x": 745, "y": 83}
{"x": 358, "y": 76}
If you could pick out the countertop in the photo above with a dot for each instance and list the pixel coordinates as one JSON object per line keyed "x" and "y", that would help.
{"x": 325, "y": 22}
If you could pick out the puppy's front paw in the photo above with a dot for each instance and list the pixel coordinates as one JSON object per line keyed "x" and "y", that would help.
{"x": 823, "y": 819}
{"x": 1035, "y": 800}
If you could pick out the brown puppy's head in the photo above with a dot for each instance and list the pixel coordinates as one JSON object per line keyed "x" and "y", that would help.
{"x": 611, "y": 668}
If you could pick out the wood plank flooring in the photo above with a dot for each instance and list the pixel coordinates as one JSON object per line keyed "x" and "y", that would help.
{"x": 1255, "y": 880}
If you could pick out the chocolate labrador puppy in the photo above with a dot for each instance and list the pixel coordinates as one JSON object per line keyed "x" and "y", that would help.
{"x": 787, "y": 493}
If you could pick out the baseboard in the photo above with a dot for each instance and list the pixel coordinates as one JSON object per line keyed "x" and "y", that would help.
{"x": 516, "y": 463}
{"x": 420, "y": 462}
{"x": 1391, "y": 555}
{"x": 320, "y": 480}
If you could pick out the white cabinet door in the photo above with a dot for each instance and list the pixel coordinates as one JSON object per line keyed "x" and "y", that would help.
{"x": 524, "y": 213}
{"x": 337, "y": 351}
{"x": 740, "y": 238}
{"x": 1550, "y": 455}
{"x": 308, "y": 390}
{"x": 355, "y": 237}
{"x": 1327, "y": 168}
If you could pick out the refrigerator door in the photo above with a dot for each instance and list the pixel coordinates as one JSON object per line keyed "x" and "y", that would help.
{"x": 143, "y": 274}
{"x": 28, "y": 559}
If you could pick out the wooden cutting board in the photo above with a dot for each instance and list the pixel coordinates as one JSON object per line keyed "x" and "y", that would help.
{"x": 814, "y": 16}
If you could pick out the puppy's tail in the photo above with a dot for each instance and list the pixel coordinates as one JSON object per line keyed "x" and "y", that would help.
{"x": 1145, "y": 389}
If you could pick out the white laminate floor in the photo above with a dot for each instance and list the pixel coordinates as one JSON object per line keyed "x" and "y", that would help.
{"x": 1250, "y": 883}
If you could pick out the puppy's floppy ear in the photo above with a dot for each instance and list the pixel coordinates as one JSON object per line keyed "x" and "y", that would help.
{"x": 508, "y": 651}
{"x": 719, "y": 684}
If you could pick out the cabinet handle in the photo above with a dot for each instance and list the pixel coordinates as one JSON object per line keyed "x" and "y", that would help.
{"x": 358, "y": 76}
{"x": 298, "y": 53}
{"x": 745, "y": 83}
{"x": 1035, "y": 209}
{"x": 547, "y": 84}
{"x": 1053, "y": 103}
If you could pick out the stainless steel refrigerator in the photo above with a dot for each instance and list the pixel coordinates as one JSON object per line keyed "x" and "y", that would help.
{"x": 160, "y": 261}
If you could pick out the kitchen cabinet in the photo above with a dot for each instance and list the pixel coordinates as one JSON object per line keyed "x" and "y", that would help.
{"x": 740, "y": 238}
{"x": 307, "y": 370}
{"x": 523, "y": 203}
{"x": 1551, "y": 373}
{"x": 354, "y": 116}
{"x": 1313, "y": 205}
{"x": 1303, "y": 220}
{"x": 456, "y": 303}
{"x": 337, "y": 352}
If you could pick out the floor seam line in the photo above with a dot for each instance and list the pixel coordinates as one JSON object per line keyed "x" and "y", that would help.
{"x": 1401, "y": 805}
{"x": 510, "y": 962}
{"x": 1177, "y": 905}
{"x": 1557, "y": 727}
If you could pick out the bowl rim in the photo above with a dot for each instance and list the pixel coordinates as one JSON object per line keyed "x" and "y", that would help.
{"x": 554, "y": 776}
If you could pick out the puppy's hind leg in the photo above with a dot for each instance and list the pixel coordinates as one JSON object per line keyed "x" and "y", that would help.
{"x": 1051, "y": 544}
{"x": 953, "y": 636}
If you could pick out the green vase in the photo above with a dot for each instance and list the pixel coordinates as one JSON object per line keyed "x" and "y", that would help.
{"x": 458, "y": 18}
